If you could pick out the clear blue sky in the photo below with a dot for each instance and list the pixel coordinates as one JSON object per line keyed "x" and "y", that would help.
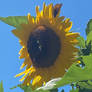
{"x": 79, "y": 11}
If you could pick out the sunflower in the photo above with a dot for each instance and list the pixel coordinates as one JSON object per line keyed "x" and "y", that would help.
{"x": 48, "y": 48}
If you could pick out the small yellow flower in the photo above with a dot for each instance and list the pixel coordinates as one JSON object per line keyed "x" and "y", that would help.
{"x": 79, "y": 62}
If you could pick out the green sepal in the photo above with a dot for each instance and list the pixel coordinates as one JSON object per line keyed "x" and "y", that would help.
{"x": 15, "y": 21}
{"x": 74, "y": 74}
{"x": 1, "y": 87}
{"x": 81, "y": 42}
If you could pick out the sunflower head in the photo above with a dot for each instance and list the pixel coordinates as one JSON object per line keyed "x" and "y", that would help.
{"x": 40, "y": 45}
{"x": 48, "y": 48}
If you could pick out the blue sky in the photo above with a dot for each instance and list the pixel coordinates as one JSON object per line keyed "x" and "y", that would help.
{"x": 79, "y": 11}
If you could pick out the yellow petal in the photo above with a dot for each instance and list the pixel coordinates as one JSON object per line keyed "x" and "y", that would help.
{"x": 26, "y": 71}
{"x": 74, "y": 41}
{"x": 22, "y": 66}
{"x": 51, "y": 11}
{"x": 47, "y": 11}
{"x": 73, "y": 35}
{"x": 36, "y": 80}
{"x": 68, "y": 27}
{"x": 22, "y": 50}
{"x": 20, "y": 74}
{"x": 44, "y": 9}
{"x": 67, "y": 20}
{"x": 37, "y": 11}
{"x": 29, "y": 77}
{"x": 29, "y": 18}
{"x": 23, "y": 77}
{"x": 23, "y": 53}
{"x": 21, "y": 43}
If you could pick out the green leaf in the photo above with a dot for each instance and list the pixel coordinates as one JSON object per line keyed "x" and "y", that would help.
{"x": 88, "y": 49}
{"x": 14, "y": 21}
{"x": 89, "y": 31}
{"x": 81, "y": 43}
{"x": 1, "y": 87}
{"x": 89, "y": 27}
{"x": 74, "y": 74}
{"x": 86, "y": 84}
{"x": 85, "y": 90}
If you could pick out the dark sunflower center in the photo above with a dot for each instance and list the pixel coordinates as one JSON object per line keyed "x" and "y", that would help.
{"x": 43, "y": 47}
